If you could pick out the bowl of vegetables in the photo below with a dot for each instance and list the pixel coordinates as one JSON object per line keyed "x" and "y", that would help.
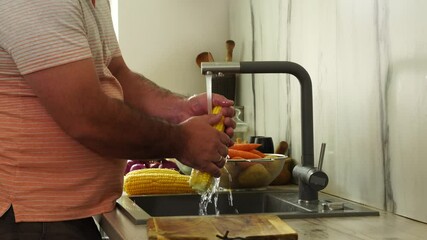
{"x": 248, "y": 173}
{"x": 247, "y": 167}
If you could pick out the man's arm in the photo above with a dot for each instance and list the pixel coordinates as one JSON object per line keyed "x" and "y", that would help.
{"x": 72, "y": 95}
{"x": 145, "y": 95}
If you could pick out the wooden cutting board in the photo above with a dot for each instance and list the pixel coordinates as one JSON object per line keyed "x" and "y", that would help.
{"x": 253, "y": 226}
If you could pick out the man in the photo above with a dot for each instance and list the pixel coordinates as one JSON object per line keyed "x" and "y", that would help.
{"x": 71, "y": 111}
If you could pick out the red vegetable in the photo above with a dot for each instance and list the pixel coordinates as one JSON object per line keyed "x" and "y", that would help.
{"x": 137, "y": 166}
{"x": 168, "y": 164}
{"x": 129, "y": 165}
{"x": 154, "y": 164}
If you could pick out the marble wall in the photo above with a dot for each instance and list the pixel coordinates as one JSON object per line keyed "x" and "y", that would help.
{"x": 368, "y": 64}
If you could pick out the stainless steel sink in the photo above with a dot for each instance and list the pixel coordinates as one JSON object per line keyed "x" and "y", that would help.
{"x": 284, "y": 204}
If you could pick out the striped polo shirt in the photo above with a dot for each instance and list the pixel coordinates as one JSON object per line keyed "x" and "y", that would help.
{"x": 44, "y": 174}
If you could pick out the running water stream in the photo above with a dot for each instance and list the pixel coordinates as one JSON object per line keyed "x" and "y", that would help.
{"x": 206, "y": 198}
{"x": 209, "y": 92}
{"x": 212, "y": 192}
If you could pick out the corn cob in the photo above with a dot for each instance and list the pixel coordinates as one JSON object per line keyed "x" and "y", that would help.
{"x": 201, "y": 181}
{"x": 156, "y": 181}
{"x": 220, "y": 125}
{"x": 152, "y": 170}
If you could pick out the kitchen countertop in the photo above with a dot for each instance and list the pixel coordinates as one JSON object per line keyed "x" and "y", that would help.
{"x": 386, "y": 226}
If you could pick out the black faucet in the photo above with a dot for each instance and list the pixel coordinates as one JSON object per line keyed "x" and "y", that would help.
{"x": 311, "y": 179}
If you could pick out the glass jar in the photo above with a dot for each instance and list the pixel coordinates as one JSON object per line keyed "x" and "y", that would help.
{"x": 241, "y": 130}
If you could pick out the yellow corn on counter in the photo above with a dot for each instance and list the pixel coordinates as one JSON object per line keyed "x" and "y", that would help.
{"x": 156, "y": 181}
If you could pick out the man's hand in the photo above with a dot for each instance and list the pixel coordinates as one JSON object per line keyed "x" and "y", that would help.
{"x": 197, "y": 105}
{"x": 203, "y": 146}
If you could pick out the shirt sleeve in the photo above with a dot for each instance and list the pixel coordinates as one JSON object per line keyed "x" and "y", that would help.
{"x": 43, "y": 34}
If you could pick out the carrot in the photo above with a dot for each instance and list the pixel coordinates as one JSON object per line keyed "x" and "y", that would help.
{"x": 245, "y": 146}
{"x": 244, "y": 154}
{"x": 262, "y": 155}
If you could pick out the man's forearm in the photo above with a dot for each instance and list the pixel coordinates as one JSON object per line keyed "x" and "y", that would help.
{"x": 121, "y": 131}
{"x": 146, "y": 96}
{"x": 104, "y": 124}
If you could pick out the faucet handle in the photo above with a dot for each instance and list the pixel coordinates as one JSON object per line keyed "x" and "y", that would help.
{"x": 312, "y": 176}
{"x": 322, "y": 154}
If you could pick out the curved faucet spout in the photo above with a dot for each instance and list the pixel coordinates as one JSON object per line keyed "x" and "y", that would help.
{"x": 307, "y": 193}
{"x": 306, "y": 99}
{"x": 218, "y": 68}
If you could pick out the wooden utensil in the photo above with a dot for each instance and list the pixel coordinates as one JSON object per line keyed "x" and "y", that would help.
{"x": 282, "y": 148}
{"x": 285, "y": 175}
{"x": 253, "y": 226}
{"x": 230, "y": 44}
{"x": 204, "y": 57}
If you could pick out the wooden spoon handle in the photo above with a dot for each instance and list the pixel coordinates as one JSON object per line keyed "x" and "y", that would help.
{"x": 230, "y": 47}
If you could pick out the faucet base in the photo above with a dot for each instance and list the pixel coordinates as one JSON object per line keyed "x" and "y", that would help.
{"x": 306, "y": 194}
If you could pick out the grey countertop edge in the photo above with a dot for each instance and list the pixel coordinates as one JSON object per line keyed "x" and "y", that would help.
{"x": 118, "y": 227}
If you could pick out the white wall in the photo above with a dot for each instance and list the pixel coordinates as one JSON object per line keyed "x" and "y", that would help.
{"x": 368, "y": 64}
{"x": 161, "y": 39}
{"x": 115, "y": 15}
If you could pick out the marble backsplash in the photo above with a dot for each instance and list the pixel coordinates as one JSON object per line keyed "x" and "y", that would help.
{"x": 368, "y": 64}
